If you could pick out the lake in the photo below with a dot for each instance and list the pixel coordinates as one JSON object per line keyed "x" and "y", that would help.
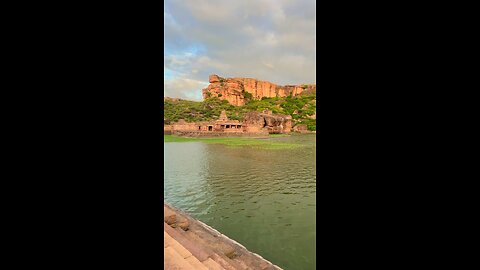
{"x": 262, "y": 198}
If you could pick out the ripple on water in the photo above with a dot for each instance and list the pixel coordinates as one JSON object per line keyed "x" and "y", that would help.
{"x": 262, "y": 199}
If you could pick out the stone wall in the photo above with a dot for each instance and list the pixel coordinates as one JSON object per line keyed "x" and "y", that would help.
{"x": 197, "y": 134}
{"x": 181, "y": 125}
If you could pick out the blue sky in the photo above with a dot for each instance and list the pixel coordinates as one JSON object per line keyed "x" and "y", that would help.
{"x": 272, "y": 40}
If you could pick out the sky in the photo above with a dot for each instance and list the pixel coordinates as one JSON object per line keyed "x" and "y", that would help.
{"x": 270, "y": 40}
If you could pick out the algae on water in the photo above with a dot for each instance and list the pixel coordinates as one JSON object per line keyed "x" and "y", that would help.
{"x": 261, "y": 143}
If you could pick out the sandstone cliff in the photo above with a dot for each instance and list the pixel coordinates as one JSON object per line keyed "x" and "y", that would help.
{"x": 237, "y": 90}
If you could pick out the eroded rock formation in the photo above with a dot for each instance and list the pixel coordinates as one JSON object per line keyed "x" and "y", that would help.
{"x": 300, "y": 128}
{"x": 237, "y": 90}
{"x": 255, "y": 122}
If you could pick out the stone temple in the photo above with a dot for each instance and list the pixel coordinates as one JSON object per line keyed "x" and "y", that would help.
{"x": 253, "y": 124}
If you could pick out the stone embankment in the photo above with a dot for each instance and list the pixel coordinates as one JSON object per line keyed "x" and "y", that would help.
{"x": 254, "y": 124}
{"x": 214, "y": 134}
{"x": 191, "y": 244}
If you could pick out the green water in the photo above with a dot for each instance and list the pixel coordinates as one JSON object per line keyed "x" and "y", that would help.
{"x": 262, "y": 198}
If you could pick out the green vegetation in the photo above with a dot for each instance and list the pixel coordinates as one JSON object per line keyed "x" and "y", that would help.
{"x": 248, "y": 96}
{"x": 260, "y": 143}
{"x": 299, "y": 107}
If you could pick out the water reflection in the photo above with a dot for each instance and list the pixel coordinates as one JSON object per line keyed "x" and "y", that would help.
{"x": 186, "y": 165}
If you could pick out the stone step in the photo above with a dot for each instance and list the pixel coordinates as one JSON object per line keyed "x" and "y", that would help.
{"x": 241, "y": 263}
{"x": 266, "y": 266}
{"x": 248, "y": 263}
{"x": 196, "y": 264}
{"x": 175, "y": 245}
{"x": 200, "y": 252}
{"x": 251, "y": 263}
{"x": 214, "y": 243}
{"x": 183, "y": 252}
{"x": 212, "y": 265}
{"x": 164, "y": 242}
{"x": 173, "y": 261}
{"x": 225, "y": 262}
{"x": 220, "y": 250}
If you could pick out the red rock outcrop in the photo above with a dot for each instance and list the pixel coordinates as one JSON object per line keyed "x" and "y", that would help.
{"x": 273, "y": 123}
{"x": 235, "y": 90}
{"x": 300, "y": 128}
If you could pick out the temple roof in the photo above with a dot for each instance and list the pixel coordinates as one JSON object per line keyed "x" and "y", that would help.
{"x": 223, "y": 116}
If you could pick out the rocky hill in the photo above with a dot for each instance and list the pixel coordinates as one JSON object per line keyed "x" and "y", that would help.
{"x": 238, "y": 91}
{"x": 302, "y": 108}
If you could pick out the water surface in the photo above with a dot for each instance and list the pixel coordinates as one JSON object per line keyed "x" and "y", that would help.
{"x": 263, "y": 199}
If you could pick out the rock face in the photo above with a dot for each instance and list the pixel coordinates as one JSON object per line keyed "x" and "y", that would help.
{"x": 237, "y": 90}
{"x": 300, "y": 128}
{"x": 256, "y": 122}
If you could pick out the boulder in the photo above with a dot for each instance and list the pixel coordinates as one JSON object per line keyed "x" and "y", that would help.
{"x": 169, "y": 216}
{"x": 213, "y": 78}
{"x": 184, "y": 224}
{"x": 255, "y": 121}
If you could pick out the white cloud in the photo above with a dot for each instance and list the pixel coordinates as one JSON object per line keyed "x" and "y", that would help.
{"x": 184, "y": 88}
{"x": 271, "y": 40}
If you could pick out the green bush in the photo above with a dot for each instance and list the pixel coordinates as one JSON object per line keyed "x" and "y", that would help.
{"x": 247, "y": 95}
{"x": 211, "y": 107}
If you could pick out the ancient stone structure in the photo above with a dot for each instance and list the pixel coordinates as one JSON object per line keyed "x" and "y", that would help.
{"x": 191, "y": 244}
{"x": 237, "y": 90}
{"x": 254, "y": 123}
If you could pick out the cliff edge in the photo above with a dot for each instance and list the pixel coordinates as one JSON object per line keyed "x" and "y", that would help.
{"x": 237, "y": 91}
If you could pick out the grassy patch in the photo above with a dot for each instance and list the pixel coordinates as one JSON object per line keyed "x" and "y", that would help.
{"x": 278, "y": 135}
{"x": 172, "y": 138}
{"x": 261, "y": 143}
